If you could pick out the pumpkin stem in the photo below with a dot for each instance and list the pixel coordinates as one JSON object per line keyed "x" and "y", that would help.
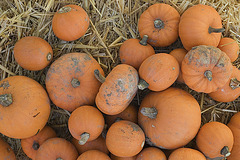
{"x": 144, "y": 40}
{"x": 6, "y": 100}
{"x": 234, "y": 83}
{"x": 149, "y": 112}
{"x": 158, "y": 24}
{"x": 225, "y": 151}
{"x": 35, "y": 145}
{"x": 142, "y": 84}
{"x": 75, "y": 83}
{"x": 65, "y": 9}
{"x": 99, "y": 76}
{"x": 208, "y": 75}
{"x": 118, "y": 119}
{"x": 84, "y": 137}
{"x": 59, "y": 158}
{"x": 215, "y": 30}
{"x": 49, "y": 56}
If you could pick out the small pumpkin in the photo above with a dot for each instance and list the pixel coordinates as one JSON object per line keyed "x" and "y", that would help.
{"x": 215, "y": 140}
{"x": 70, "y": 22}
{"x": 93, "y": 155}
{"x": 186, "y": 154}
{"x": 31, "y": 145}
{"x": 57, "y": 149}
{"x": 200, "y": 25}
{"x": 24, "y": 106}
{"x": 158, "y": 72}
{"x": 6, "y": 152}
{"x": 33, "y": 53}
{"x": 70, "y": 81}
{"x": 230, "y": 47}
{"x": 160, "y": 22}
{"x": 125, "y": 139}
{"x": 113, "y": 157}
{"x": 162, "y": 120}
{"x": 117, "y": 90}
{"x": 151, "y": 153}
{"x": 86, "y": 123}
{"x": 206, "y": 68}
{"x": 133, "y": 51}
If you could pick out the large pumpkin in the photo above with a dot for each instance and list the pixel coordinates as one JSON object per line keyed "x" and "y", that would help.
{"x": 186, "y": 154}
{"x": 170, "y": 119}
{"x": 93, "y": 155}
{"x": 151, "y": 153}
{"x": 230, "y": 47}
{"x": 24, "y": 107}
{"x": 70, "y": 81}
{"x": 6, "y": 152}
{"x": 206, "y": 68}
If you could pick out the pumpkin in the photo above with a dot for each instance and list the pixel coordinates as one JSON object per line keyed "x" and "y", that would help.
{"x": 6, "y": 152}
{"x": 117, "y": 90}
{"x": 86, "y": 123}
{"x": 235, "y": 128}
{"x": 160, "y": 22}
{"x": 170, "y": 118}
{"x": 186, "y": 154}
{"x": 57, "y": 149}
{"x": 215, "y": 140}
{"x": 24, "y": 106}
{"x": 200, "y": 25}
{"x": 179, "y": 54}
{"x": 70, "y": 22}
{"x": 230, "y": 91}
{"x": 133, "y": 51}
{"x": 31, "y": 145}
{"x": 125, "y": 139}
{"x": 70, "y": 81}
{"x": 206, "y": 68}
{"x": 130, "y": 114}
{"x": 230, "y": 47}
{"x": 33, "y": 53}
{"x": 113, "y": 157}
{"x": 93, "y": 155}
{"x": 158, "y": 72}
{"x": 151, "y": 153}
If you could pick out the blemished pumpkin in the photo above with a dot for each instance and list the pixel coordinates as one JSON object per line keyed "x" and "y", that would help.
{"x": 230, "y": 47}
{"x": 33, "y": 53}
{"x": 113, "y": 157}
{"x": 6, "y": 152}
{"x": 186, "y": 154}
{"x": 160, "y": 22}
{"x": 70, "y": 22}
{"x": 86, "y": 123}
{"x": 93, "y": 155}
{"x": 133, "y": 51}
{"x": 167, "y": 125}
{"x": 151, "y": 153}
{"x": 215, "y": 140}
{"x": 117, "y": 90}
{"x": 24, "y": 106}
{"x": 158, "y": 72}
{"x": 230, "y": 91}
{"x": 200, "y": 25}
{"x": 125, "y": 139}
{"x": 70, "y": 81}
{"x": 206, "y": 68}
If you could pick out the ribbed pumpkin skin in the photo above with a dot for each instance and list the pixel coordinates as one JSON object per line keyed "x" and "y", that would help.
{"x": 27, "y": 143}
{"x": 29, "y": 111}
{"x": 60, "y": 75}
{"x": 194, "y": 25}
{"x": 93, "y": 155}
{"x": 113, "y": 157}
{"x": 159, "y": 37}
{"x": 230, "y": 47}
{"x": 71, "y": 25}
{"x": 151, "y": 153}
{"x": 6, "y": 152}
{"x": 166, "y": 131}
{"x": 186, "y": 154}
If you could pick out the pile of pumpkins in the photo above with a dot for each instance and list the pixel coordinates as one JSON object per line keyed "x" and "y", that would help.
{"x": 168, "y": 118}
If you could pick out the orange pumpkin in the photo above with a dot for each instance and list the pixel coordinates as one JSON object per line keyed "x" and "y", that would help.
{"x": 230, "y": 91}
{"x": 133, "y": 51}
{"x": 125, "y": 139}
{"x": 151, "y": 153}
{"x": 162, "y": 116}
{"x": 6, "y": 152}
{"x": 158, "y": 72}
{"x": 70, "y": 22}
{"x": 118, "y": 90}
{"x": 206, "y": 68}
{"x": 93, "y": 155}
{"x": 160, "y": 22}
{"x": 57, "y": 148}
{"x": 113, "y": 157}
{"x": 70, "y": 81}
{"x": 215, "y": 140}
{"x": 186, "y": 154}
{"x": 230, "y": 47}
{"x": 33, "y": 53}
{"x": 24, "y": 107}
{"x": 200, "y": 25}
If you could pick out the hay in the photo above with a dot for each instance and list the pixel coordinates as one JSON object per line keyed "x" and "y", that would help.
{"x": 112, "y": 22}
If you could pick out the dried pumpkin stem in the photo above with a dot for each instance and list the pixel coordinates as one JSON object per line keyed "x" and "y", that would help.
{"x": 59, "y": 159}
{"x": 6, "y": 100}
{"x": 118, "y": 119}
{"x": 75, "y": 83}
{"x": 144, "y": 40}
{"x": 215, "y": 30}
{"x": 84, "y": 137}
{"x": 158, "y": 23}
{"x": 234, "y": 83}
{"x": 65, "y": 9}
{"x": 35, "y": 145}
{"x": 142, "y": 84}
{"x": 49, "y": 56}
{"x": 149, "y": 112}
{"x": 99, "y": 76}
{"x": 208, "y": 75}
{"x": 225, "y": 151}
